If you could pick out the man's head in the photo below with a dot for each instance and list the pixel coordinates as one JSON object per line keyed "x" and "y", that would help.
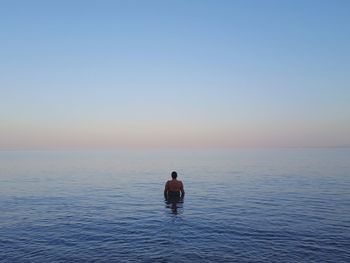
{"x": 174, "y": 175}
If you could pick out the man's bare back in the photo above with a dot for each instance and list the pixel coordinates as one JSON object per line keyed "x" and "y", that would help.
{"x": 174, "y": 188}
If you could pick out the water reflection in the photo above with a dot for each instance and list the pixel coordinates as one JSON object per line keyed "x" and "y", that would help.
{"x": 175, "y": 204}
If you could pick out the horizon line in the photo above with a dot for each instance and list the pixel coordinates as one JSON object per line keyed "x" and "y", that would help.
{"x": 170, "y": 148}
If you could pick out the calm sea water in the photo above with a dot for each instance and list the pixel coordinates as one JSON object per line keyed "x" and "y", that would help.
{"x": 240, "y": 206}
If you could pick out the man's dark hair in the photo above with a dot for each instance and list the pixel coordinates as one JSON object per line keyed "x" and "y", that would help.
{"x": 174, "y": 175}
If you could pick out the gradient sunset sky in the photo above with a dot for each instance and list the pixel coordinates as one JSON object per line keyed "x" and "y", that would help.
{"x": 110, "y": 74}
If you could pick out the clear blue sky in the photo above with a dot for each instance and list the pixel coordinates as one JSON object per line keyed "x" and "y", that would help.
{"x": 109, "y": 74}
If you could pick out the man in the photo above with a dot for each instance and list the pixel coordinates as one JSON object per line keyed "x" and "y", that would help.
{"x": 174, "y": 188}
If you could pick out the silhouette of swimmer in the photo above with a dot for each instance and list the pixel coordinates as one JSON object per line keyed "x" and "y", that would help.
{"x": 174, "y": 189}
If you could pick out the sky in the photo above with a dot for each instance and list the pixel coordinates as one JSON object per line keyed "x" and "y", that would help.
{"x": 154, "y": 74}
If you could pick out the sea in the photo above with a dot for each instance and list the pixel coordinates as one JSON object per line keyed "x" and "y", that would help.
{"x": 241, "y": 205}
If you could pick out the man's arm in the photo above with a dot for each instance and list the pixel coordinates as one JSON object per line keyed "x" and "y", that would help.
{"x": 166, "y": 191}
{"x": 182, "y": 190}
